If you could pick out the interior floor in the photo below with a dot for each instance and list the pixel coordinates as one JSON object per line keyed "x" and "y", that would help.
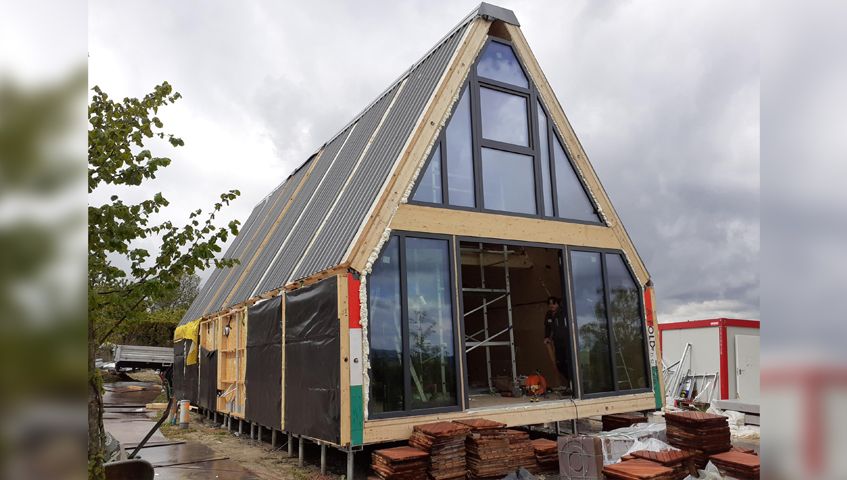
{"x": 486, "y": 400}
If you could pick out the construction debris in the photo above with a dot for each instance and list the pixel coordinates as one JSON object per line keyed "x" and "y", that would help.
{"x": 400, "y": 463}
{"x": 445, "y": 443}
{"x": 744, "y": 466}
{"x": 702, "y": 433}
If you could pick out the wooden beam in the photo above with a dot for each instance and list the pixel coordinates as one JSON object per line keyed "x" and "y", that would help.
{"x": 282, "y": 379}
{"x": 430, "y": 124}
{"x": 418, "y": 218}
{"x": 398, "y": 429}
{"x": 575, "y": 150}
{"x": 344, "y": 357}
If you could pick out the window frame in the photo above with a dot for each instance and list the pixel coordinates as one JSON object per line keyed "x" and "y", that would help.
{"x": 612, "y": 344}
{"x": 474, "y": 83}
{"x": 404, "y": 326}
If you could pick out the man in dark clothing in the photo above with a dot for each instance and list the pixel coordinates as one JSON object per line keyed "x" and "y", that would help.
{"x": 556, "y": 339}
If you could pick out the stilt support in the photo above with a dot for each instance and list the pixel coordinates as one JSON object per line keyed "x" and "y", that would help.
{"x": 350, "y": 464}
{"x": 290, "y": 445}
{"x": 273, "y": 438}
{"x": 323, "y": 459}
{"x": 300, "y": 452}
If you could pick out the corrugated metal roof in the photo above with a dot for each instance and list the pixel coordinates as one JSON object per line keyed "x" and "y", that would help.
{"x": 364, "y": 187}
{"x": 336, "y": 195}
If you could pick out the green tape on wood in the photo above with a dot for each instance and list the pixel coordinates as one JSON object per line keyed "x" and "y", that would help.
{"x": 657, "y": 389}
{"x": 357, "y": 418}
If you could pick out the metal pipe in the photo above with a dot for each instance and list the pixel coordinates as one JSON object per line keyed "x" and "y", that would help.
{"x": 300, "y": 453}
{"x": 290, "y": 445}
{"x": 350, "y": 464}
{"x": 323, "y": 459}
{"x": 273, "y": 438}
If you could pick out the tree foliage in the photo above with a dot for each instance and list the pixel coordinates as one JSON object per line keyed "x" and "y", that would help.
{"x": 127, "y": 282}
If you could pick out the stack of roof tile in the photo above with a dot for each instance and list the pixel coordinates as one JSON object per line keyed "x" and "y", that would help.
{"x": 637, "y": 469}
{"x": 487, "y": 448}
{"x": 622, "y": 420}
{"x": 702, "y": 433}
{"x": 400, "y": 463}
{"x": 744, "y": 466}
{"x": 546, "y": 456}
{"x": 680, "y": 461}
{"x": 521, "y": 453}
{"x": 445, "y": 443}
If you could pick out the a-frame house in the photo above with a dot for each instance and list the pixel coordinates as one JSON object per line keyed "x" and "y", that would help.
{"x": 402, "y": 273}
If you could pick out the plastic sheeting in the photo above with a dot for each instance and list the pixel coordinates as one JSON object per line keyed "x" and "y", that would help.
{"x": 208, "y": 385}
{"x": 312, "y": 362}
{"x": 189, "y": 332}
{"x": 178, "y": 375}
{"x": 263, "y": 371}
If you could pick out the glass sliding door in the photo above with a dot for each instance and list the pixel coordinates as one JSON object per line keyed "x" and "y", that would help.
{"x": 430, "y": 317}
{"x": 611, "y": 348}
{"x": 411, "y": 327}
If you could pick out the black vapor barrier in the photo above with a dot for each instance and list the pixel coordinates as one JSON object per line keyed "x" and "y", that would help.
{"x": 208, "y": 394}
{"x": 178, "y": 377}
{"x": 184, "y": 376}
{"x": 263, "y": 371}
{"x": 312, "y": 370}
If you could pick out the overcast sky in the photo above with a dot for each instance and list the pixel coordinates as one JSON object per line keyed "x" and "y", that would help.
{"x": 664, "y": 97}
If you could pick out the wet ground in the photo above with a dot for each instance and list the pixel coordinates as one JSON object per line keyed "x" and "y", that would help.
{"x": 127, "y": 419}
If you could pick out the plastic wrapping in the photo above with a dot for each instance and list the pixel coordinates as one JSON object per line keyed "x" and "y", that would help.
{"x": 312, "y": 362}
{"x": 263, "y": 370}
{"x": 208, "y": 385}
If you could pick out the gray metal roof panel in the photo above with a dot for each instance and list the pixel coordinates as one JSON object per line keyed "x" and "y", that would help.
{"x": 326, "y": 195}
{"x": 344, "y": 221}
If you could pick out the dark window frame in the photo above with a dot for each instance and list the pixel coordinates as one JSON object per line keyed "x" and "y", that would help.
{"x": 404, "y": 325}
{"x": 474, "y": 83}
{"x": 607, "y": 300}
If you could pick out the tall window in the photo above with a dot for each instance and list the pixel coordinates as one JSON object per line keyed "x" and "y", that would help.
{"x": 411, "y": 327}
{"x": 610, "y": 332}
{"x": 499, "y": 151}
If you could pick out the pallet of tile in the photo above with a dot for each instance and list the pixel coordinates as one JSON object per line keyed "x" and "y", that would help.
{"x": 743, "y": 466}
{"x": 400, "y": 463}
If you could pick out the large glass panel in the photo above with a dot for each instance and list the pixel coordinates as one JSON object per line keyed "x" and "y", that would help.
{"x": 627, "y": 327}
{"x": 460, "y": 155}
{"x": 504, "y": 117}
{"x": 544, "y": 154}
{"x": 571, "y": 197}
{"x": 386, "y": 334}
{"x": 430, "y": 313}
{"x": 498, "y": 62}
{"x": 508, "y": 181}
{"x": 429, "y": 185}
{"x": 595, "y": 370}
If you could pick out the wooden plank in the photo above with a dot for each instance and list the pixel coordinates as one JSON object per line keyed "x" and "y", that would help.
{"x": 344, "y": 357}
{"x": 574, "y": 148}
{"x": 421, "y": 141}
{"x": 397, "y": 429}
{"x": 420, "y": 218}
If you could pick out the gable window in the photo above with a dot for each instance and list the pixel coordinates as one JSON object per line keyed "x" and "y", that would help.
{"x": 499, "y": 151}
{"x": 410, "y": 327}
{"x": 611, "y": 348}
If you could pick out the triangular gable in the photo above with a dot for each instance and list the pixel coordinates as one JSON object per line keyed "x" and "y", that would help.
{"x": 403, "y": 184}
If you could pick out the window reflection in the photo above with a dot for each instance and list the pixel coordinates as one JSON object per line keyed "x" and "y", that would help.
{"x": 460, "y": 155}
{"x": 508, "y": 181}
{"x": 386, "y": 335}
{"x": 595, "y": 370}
{"x": 572, "y": 200}
{"x": 504, "y": 117}
{"x": 625, "y": 313}
{"x": 498, "y": 62}
{"x": 429, "y": 185}
{"x": 430, "y": 314}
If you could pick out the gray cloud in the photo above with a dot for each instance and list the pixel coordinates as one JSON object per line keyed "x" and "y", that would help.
{"x": 664, "y": 97}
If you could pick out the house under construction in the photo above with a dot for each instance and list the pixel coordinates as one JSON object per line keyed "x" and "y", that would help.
{"x": 401, "y": 274}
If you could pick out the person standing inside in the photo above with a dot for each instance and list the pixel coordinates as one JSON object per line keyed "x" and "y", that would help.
{"x": 556, "y": 339}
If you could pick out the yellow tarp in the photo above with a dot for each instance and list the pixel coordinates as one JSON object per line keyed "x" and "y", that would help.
{"x": 189, "y": 331}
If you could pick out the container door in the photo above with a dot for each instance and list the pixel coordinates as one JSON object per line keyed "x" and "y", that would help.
{"x": 747, "y": 367}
